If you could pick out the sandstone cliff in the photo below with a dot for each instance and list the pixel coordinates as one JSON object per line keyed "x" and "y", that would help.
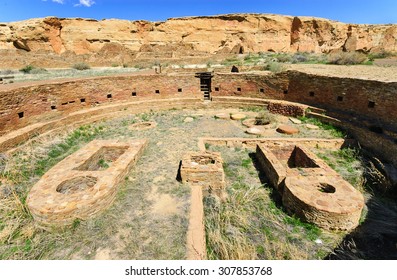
{"x": 61, "y": 40}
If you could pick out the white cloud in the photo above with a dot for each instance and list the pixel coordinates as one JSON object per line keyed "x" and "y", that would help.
{"x": 56, "y": 1}
{"x": 87, "y": 3}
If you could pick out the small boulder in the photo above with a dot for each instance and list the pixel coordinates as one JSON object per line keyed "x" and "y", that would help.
{"x": 238, "y": 116}
{"x": 188, "y": 120}
{"x": 249, "y": 122}
{"x": 295, "y": 121}
{"x": 286, "y": 129}
{"x": 254, "y": 131}
{"x": 312, "y": 126}
{"x": 224, "y": 116}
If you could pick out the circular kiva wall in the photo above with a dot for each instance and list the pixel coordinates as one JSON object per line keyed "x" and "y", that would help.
{"x": 366, "y": 108}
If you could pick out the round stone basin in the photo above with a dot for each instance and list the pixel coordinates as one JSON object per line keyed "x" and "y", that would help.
{"x": 77, "y": 184}
{"x": 143, "y": 125}
{"x": 327, "y": 201}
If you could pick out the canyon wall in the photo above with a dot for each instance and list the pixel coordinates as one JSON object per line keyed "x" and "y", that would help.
{"x": 55, "y": 42}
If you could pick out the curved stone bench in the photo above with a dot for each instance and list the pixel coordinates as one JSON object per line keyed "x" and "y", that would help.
{"x": 327, "y": 201}
{"x": 84, "y": 183}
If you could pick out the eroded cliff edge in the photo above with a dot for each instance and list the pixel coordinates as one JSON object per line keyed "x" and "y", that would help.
{"x": 47, "y": 41}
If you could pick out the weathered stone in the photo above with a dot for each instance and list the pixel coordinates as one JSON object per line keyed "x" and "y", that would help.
{"x": 249, "y": 122}
{"x": 224, "y": 116}
{"x": 295, "y": 121}
{"x": 254, "y": 131}
{"x": 204, "y": 169}
{"x": 312, "y": 126}
{"x": 188, "y": 120}
{"x": 286, "y": 129}
{"x": 237, "y": 116}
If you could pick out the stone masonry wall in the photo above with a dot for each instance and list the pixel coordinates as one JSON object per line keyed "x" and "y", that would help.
{"x": 356, "y": 102}
{"x": 22, "y": 106}
{"x": 256, "y": 85}
{"x": 361, "y": 98}
{"x": 26, "y": 105}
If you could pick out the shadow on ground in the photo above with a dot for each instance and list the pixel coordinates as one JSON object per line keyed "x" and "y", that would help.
{"x": 375, "y": 239}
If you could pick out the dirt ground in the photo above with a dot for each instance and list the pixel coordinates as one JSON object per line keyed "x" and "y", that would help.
{"x": 366, "y": 72}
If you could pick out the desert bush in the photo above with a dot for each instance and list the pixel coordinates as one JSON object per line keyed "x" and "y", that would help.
{"x": 81, "y": 66}
{"x": 38, "y": 71}
{"x": 284, "y": 57}
{"x": 27, "y": 69}
{"x": 275, "y": 67}
{"x": 139, "y": 66}
{"x": 264, "y": 118}
{"x": 346, "y": 58}
{"x": 6, "y": 72}
{"x": 378, "y": 55}
{"x": 300, "y": 57}
{"x": 232, "y": 61}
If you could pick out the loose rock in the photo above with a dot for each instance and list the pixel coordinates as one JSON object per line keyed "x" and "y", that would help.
{"x": 249, "y": 122}
{"x": 312, "y": 126}
{"x": 238, "y": 116}
{"x": 286, "y": 129}
{"x": 295, "y": 121}
{"x": 224, "y": 116}
{"x": 254, "y": 131}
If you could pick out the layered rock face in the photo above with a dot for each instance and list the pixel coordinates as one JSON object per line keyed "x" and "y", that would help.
{"x": 124, "y": 40}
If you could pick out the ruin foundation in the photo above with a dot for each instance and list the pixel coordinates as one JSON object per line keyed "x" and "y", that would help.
{"x": 84, "y": 183}
{"x": 204, "y": 169}
{"x": 311, "y": 189}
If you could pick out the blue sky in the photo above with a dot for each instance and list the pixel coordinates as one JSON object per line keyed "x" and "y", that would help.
{"x": 349, "y": 11}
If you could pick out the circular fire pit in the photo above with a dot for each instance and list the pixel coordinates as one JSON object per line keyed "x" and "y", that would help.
{"x": 143, "y": 125}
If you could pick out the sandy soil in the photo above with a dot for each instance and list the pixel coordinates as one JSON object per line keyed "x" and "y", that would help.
{"x": 370, "y": 72}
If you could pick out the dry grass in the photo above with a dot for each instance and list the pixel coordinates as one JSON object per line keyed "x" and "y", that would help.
{"x": 251, "y": 225}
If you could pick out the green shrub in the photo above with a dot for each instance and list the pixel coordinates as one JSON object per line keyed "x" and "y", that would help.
{"x": 27, "y": 69}
{"x": 81, "y": 66}
{"x": 346, "y": 58}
